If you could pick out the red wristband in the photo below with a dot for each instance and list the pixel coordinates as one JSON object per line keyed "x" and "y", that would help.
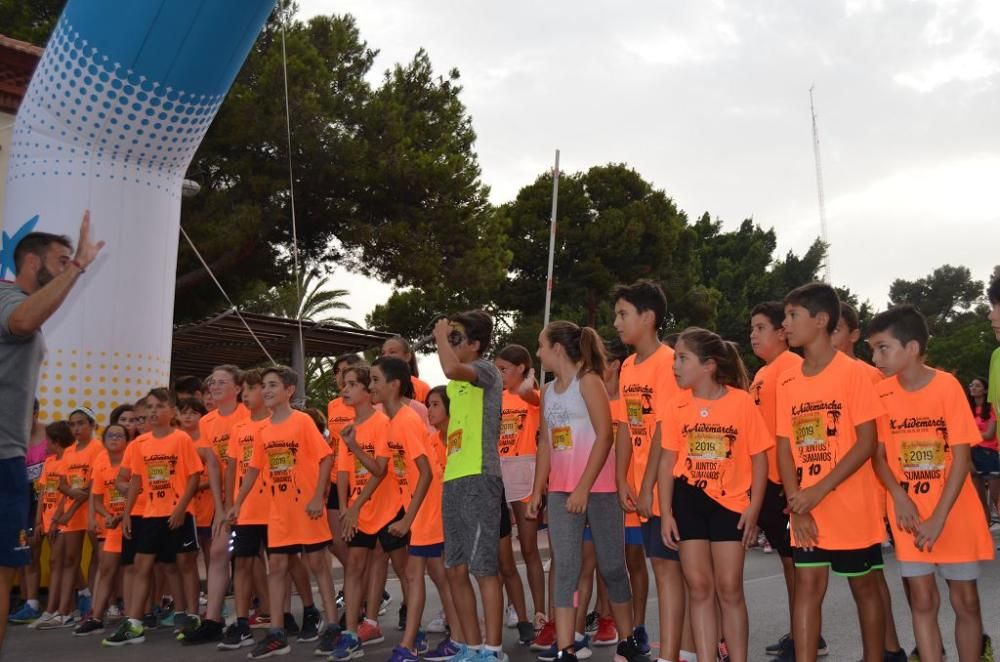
{"x": 76, "y": 263}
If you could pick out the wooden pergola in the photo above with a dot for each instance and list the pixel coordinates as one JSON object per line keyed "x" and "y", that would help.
{"x": 224, "y": 338}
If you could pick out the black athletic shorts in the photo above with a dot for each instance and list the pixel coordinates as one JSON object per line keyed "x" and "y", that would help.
{"x": 299, "y": 549}
{"x": 156, "y": 537}
{"x": 843, "y": 562}
{"x": 700, "y": 517}
{"x": 773, "y": 520}
{"x": 652, "y": 541}
{"x": 389, "y": 542}
{"x": 247, "y": 540}
{"x": 506, "y": 526}
{"x": 332, "y": 498}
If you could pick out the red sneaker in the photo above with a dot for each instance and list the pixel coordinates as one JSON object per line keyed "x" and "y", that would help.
{"x": 369, "y": 632}
{"x": 260, "y": 621}
{"x": 546, "y": 637}
{"x": 607, "y": 633}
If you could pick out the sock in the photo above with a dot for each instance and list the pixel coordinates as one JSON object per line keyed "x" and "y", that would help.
{"x": 660, "y": 659}
{"x": 135, "y": 622}
{"x": 85, "y": 592}
{"x": 242, "y": 623}
{"x": 477, "y": 647}
{"x": 688, "y": 656}
{"x": 310, "y": 609}
{"x": 577, "y": 636}
{"x": 34, "y": 604}
{"x": 494, "y": 649}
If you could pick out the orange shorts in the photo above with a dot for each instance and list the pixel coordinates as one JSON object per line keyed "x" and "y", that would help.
{"x": 113, "y": 540}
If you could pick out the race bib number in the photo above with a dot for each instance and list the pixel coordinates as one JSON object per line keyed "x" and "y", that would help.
{"x": 77, "y": 482}
{"x": 399, "y": 466}
{"x": 706, "y": 447}
{"x": 562, "y": 438}
{"x": 280, "y": 461}
{"x": 633, "y": 409}
{"x": 52, "y": 484}
{"x": 922, "y": 455}
{"x": 508, "y": 435}
{"x": 809, "y": 431}
{"x": 247, "y": 453}
{"x": 454, "y": 442}
{"x": 158, "y": 473}
{"x": 359, "y": 468}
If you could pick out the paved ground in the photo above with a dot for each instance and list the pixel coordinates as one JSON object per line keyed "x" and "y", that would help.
{"x": 765, "y": 594}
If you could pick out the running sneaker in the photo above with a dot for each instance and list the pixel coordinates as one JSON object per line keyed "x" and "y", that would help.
{"x": 987, "y": 654}
{"x": 169, "y": 619}
{"x": 235, "y": 638}
{"x": 444, "y": 651}
{"x": 386, "y": 601}
{"x": 42, "y": 618}
{"x": 348, "y": 647}
{"x": 628, "y": 651}
{"x": 511, "y": 617}
{"x": 84, "y": 603}
{"x": 723, "y": 655}
{"x": 291, "y": 627}
{"x": 545, "y": 638}
{"x": 127, "y": 633}
{"x": 402, "y": 618}
{"x": 114, "y": 614}
{"x": 24, "y": 615}
{"x": 779, "y": 647}
{"x": 439, "y": 624}
{"x": 465, "y": 654}
{"x": 539, "y": 621}
{"x": 208, "y": 631}
{"x": 58, "y": 622}
{"x": 591, "y": 625}
{"x": 369, "y": 632}
{"x": 340, "y": 599}
{"x": 525, "y": 633}
{"x": 914, "y": 655}
{"x": 581, "y": 650}
{"x": 275, "y": 643}
{"x": 88, "y": 627}
{"x": 403, "y": 654}
{"x": 895, "y": 656}
{"x": 185, "y": 624}
{"x": 258, "y": 621}
{"x": 607, "y": 633}
{"x": 486, "y": 655}
{"x": 641, "y": 638}
{"x": 150, "y": 621}
{"x": 767, "y": 547}
{"x": 327, "y": 640}
{"x": 420, "y": 643}
{"x": 312, "y": 623}
{"x": 822, "y": 650}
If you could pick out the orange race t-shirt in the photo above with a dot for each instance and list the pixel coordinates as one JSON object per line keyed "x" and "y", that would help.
{"x": 216, "y": 429}
{"x": 289, "y": 453}
{"x": 420, "y": 389}
{"x": 164, "y": 466}
{"x": 338, "y": 416}
{"x": 428, "y": 526}
{"x": 406, "y": 443}
{"x": 437, "y": 447}
{"x": 919, "y": 431}
{"x": 764, "y": 390}
{"x": 618, "y": 418}
{"x": 78, "y": 465}
{"x": 243, "y": 439}
{"x": 819, "y": 415}
{"x": 645, "y": 388}
{"x": 49, "y": 495}
{"x": 714, "y": 440}
{"x": 105, "y": 476}
{"x": 384, "y": 504}
{"x": 203, "y": 503}
{"x": 125, "y": 471}
{"x": 518, "y": 426}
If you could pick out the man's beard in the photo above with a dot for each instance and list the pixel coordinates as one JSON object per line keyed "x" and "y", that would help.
{"x": 44, "y": 277}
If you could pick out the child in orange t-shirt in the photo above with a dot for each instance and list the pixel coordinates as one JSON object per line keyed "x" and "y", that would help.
{"x": 845, "y": 338}
{"x": 166, "y": 470}
{"x": 338, "y": 415}
{"x": 647, "y": 383}
{"x": 519, "y": 436}
{"x": 713, "y": 470}
{"x": 190, "y": 411}
{"x": 59, "y": 438}
{"x": 924, "y": 459}
{"x": 370, "y": 501}
{"x": 825, "y": 426}
{"x": 767, "y": 339}
{"x": 108, "y": 504}
{"x": 295, "y": 459}
{"x": 411, "y": 463}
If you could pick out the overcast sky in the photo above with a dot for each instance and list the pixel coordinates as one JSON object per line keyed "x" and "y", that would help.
{"x": 709, "y": 100}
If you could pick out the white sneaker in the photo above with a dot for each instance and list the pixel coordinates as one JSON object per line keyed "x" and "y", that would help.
{"x": 114, "y": 613}
{"x": 439, "y": 625}
{"x": 511, "y": 616}
{"x": 44, "y": 618}
{"x": 58, "y": 621}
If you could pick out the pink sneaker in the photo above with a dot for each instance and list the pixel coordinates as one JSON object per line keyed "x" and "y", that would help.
{"x": 369, "y": 632}
{"x": 607, "y": 633}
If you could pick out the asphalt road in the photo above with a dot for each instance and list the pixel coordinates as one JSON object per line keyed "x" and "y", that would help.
{"x": 765, "y": 595}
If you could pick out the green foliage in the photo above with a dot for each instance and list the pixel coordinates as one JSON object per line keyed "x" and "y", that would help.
{"x": 31, "y": 21}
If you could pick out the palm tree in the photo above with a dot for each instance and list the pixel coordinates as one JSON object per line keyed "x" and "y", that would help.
{"x": 311, "y": 301}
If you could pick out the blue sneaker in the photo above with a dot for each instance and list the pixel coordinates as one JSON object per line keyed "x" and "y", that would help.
{"x": 26, "y": 614}
{"x": 83, "y": 604}
{"x": 641, "y": 638}
{"x": 403, "y": 654}
{"x": 348, "y": 647}
{"x": 465, "y": 654}
{"x": 446, "y": 650}
{"x": 492, "y": 656}
{"x": 421, "y": 644}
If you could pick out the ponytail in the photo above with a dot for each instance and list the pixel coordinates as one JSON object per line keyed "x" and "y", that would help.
{"x": 582, "y": 345}
{"x": 706, "y": 345}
